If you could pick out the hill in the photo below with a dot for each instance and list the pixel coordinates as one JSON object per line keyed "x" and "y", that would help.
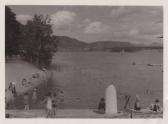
{"x": 71, "y": 44}
{"x": 109, "y": 45}
{"x": 156, "y": 44}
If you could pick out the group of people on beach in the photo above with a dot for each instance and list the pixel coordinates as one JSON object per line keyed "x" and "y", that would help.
{"x": 29, "y": 82}
{"x": 155, "y": 107}
{"x": 26, "y": 99}
{"x": 25, "y": 83}
{"x": 52, "y": 102}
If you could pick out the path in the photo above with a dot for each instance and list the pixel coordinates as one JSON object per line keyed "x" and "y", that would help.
{"x": 77, "y": 113}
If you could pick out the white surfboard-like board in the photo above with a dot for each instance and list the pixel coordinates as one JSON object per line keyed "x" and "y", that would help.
{"x": 111, "y": 100}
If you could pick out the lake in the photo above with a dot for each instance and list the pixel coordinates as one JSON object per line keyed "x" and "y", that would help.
{"x": 83, "y": 76}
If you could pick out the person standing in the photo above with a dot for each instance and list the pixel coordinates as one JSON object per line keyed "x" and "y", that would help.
{"x": 54, "y": 104}
{"x": 49, "y": 105}
{"x": 12, "y": 88}
{"x": 26, "y": 101}
{"x": 34, "y": 97}
{"x": 61, "y": 98}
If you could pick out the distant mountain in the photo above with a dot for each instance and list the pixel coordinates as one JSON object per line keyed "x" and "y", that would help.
{"x": 108, "y": 45}
{"x": 156, "y": 44}
{"x": 139, "y": 45}
{"x": 71, "y": 44}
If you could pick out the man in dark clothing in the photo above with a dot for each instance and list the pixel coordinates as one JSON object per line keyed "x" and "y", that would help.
{"x": 101, "y": 106}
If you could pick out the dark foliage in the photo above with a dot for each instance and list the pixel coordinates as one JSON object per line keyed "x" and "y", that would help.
{"x": 12, "y": 33}
{"x": 38, "y": 44}
{"x": 33, "y": 41}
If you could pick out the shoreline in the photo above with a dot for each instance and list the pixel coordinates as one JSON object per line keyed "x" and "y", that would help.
{"x": 80, "y": 113}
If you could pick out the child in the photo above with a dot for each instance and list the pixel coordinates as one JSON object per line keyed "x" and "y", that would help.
{"x": 54, "y": 103}
{"x": 26, "y": 101}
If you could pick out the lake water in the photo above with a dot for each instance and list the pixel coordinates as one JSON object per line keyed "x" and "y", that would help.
{"x": 83, "y": 76}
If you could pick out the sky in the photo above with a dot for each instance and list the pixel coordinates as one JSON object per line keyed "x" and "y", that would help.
{"x": 136, "y": 24}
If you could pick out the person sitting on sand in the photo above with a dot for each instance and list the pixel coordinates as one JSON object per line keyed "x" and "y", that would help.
{"x": 101, "y": 106}
{"x": 30, "y": 81}
{"x": 133, "y": 63}
{"x": 33, "y": 75}
{"x": 24, "y": 82}
{"x": 37, "y": 75}
{"x": 155, "y": 106}
{"x": 7, "y": 115}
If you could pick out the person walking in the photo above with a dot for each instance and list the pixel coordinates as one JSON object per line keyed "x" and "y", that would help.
{"x": 48, "y": 102}
{"x": 12, "y": 88}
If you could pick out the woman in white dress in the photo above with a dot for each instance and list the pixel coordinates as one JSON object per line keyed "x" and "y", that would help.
{"x": 49, "y": 105}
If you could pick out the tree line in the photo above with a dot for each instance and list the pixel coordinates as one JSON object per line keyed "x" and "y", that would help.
{"x": 34, "y": 41}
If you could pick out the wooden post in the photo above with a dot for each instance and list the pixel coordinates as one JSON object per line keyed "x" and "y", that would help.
{"x": 131, "y": 115}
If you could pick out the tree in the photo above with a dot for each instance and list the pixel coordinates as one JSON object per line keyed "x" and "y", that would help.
{"x": 38, "y": 44}
{"x": 12, "y": 33}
